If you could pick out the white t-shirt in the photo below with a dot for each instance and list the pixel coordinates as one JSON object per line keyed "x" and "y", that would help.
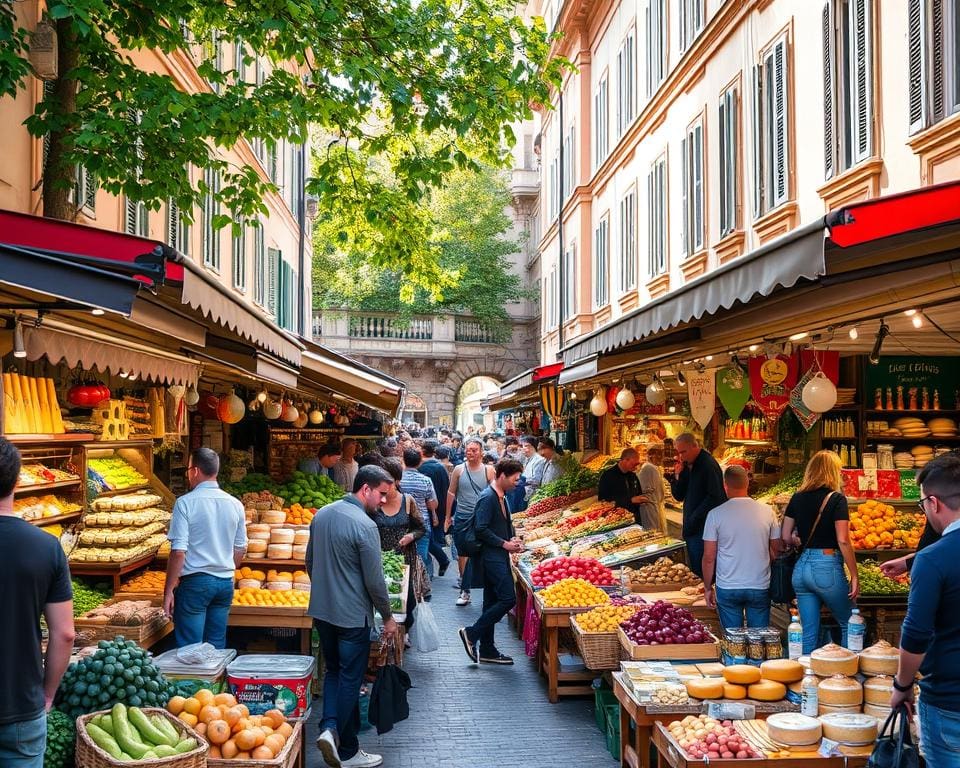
{"x": 743, "y": 529}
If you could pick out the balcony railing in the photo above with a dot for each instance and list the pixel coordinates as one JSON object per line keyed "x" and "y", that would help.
{"x": 374, "y": 327}
{"x": 475, "y": 332}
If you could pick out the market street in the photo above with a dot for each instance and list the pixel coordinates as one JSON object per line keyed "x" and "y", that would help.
{"x": 463, "y": 716}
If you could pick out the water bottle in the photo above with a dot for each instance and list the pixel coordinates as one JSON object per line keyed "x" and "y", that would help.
{"x": 809, "y": 697}
{"x": 794, "y": 637}
{"x": 856, "y": 629}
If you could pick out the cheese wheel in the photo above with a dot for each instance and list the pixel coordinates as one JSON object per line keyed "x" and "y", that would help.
{"x": 878, "y": 690}
{"x": 281, "y": 536}
{"x": 705, "y": 687}
{"x": 791, "y": 729}
{"x": 881, "y": 713}
{"x": 782, "y": 670}
{"x": 301, "y": 537}
{"x": 258, "y": 536}
{"x": 301, "y": 577}
{"x": 733, "y": 691}
{"x": 280, "y": 551}
{"x": 833, "y": 660}
{"x": 249, "y": 584}
{"x": 826, "y": 709}
{"x": 261, "y": 528}
{"x": 840, "y": 691}
{"x": 273, "y": 516}
{"x": 879, "y": 659}
{"x": 767, "y": 690}
{"x": 852, "y": 729}
{"x": 741, "y": 674}
{"x": 256, "y": 547}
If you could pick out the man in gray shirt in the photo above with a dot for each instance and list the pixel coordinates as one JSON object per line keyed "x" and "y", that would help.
{"x": 346, "y": 585}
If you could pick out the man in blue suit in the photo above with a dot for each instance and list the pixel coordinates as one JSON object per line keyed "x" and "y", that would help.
{"x": 491, "y": 568}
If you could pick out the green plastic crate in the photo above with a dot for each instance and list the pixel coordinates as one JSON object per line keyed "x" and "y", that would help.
{"x": 602, "y": 698}
{"x": 613, "y": 731}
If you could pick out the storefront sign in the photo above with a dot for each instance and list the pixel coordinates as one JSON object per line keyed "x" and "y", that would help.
{"x": 940, "y": 375}
{"x": 770, "y": 383}
{"x": 702, "y": 391}
{"x": 733, "y": 389}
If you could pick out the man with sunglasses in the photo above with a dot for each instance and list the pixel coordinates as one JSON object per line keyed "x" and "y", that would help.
{"x": 930, "y": 635}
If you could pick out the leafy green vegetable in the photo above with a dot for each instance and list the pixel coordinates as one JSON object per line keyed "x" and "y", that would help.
{"x": 576, "y": 477}
{"x": 61, "y": 735}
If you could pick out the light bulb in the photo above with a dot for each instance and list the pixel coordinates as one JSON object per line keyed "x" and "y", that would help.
{"x": 97, "y": 312}
{"x": 122, "y": 373}
{"x": 708, "y": 358}
{"x": 917, "y": 321}
{"x": 754, "y": 347}
{"x": 910, "y": 312}
{"x": 799, "y": 336}
{"x": 262, "y": 396}
{"x": 19, "y": 350}
{"x": 854, "y": 333}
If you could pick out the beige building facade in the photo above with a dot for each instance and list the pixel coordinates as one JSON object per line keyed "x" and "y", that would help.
{"x": 694, "y": 131}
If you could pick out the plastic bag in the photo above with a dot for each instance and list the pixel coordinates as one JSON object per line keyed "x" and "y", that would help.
{"x": 424, "y": 634}
{"x": 197, "y": 653}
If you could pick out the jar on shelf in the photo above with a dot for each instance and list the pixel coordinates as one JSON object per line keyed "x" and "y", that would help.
{"x": 885, "y": 456}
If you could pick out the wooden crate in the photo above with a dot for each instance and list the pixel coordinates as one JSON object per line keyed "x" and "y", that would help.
{"x": 669, "y": 652}
{"x": 136, "y": 632}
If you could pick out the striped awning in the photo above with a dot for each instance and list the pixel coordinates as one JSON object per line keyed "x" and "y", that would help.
{"x": 552, "y": 399}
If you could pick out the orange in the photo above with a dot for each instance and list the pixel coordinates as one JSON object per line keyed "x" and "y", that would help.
{"x": 218, "y": 732}
{"x": 193, "y": 706}
{"x": 285, "y": 730}
{"x": 214, "y": 753}
{"x": 262, "y": 753}
{"x": 244, "y": 712}
{"x": 201, "y": 728}
{"x": 175, "y": 705}
{"x": 265, "y": 729}
{"x": 204, "y": 696}
{"x": 188, "y": 718}
{"x": 232, "y": 716}
{"x": 229, "y": 749}
{"x": 258, "y": 736}
{"x": 208, "y": 713}
{"x": 275, "y": 742}
{"x": 274, "y": 718}
{"x": 242, "y": 724}
{"x": 242, "y": 756}
{"x": 246, "y": 739}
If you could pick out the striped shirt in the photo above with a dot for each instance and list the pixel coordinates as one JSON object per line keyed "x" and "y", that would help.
{"x": 418, "y": 485}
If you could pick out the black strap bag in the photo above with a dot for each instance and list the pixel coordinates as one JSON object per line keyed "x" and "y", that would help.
{"x": 895, "y": 747}
{"x": 781, "y": 569}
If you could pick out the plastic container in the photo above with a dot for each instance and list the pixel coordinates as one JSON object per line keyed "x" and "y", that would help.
{"x": 190, "y": 678}
{"x": 856, "y": 631}
{"x": 272, "y": 681}
{"x": 795, "y": 637}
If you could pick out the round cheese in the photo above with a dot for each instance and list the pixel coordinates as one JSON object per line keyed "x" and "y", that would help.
{"x": 301, "y": 536}
{"x": 767, "y": 690}
{"x": 878, "y": 690}
{"x": 249, "y": 584}
{"x": 734, "y": 691}
{"x": 840, "y": 691}
{"x": 879, "y": 659}
{"x": 741, "y": 674}
{"x": 826, "y": 709}
{"x": 705, "y": 687}
{"x": 273, "y": 517}
{"x": 833, "y": 660}
{"x": 299, "y": 552}
{"x": 791, "y": 729}
{"x": 280, "y": 551}
{"x": 281, "y": 536}
{"x": 782, "y": 670}
{"x": 256, "y": 547}
{"x": 881, "y": 713}
{"x": 852, "y": 729}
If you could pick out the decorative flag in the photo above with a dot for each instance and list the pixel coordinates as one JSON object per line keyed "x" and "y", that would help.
{"x": 829, "y": 362}
{"x": 552, "y": 399}
{"x": 702, "y": 390}
{"x": 770, "y": 383}
{"x": 804, "y": 415}
{"x": 733, "y": 389}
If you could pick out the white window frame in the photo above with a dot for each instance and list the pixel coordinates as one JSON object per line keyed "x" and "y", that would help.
{"x": 554, "y": 189}
{"x": 210, "y": 237}
{"x": 601, "y": 263}
{"x": 627, "y": 81}
{"x": 554, "y": 297}
{"x": 693, "y": 195}
{"x": 259, "y": 266}
{"x": 656, "y": 36}
{"x": 771, "y": 120}
{"x": 933, "y": 44}
{"x": 239, "y": 259}
{"x": 657, "y": 217}
{"x": 569, "y": 161}
{"x": 692, "y": 21}
{"x": 627, "y": 246}
{"x": 568, "y": 307}
{"x": 729, "y": 151}
{"x": 136, "y": 216}
{"x": 601, "y": 122}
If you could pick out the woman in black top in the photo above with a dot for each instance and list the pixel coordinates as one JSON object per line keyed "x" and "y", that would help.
{"x": 818, "y": 578}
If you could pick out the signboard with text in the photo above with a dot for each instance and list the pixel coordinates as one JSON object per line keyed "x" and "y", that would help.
{"x": 937, "y": 374}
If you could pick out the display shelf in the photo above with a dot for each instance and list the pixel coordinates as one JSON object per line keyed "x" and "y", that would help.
{"x": 929, "y": 439}
{"x": 738, "y": 441}
{"x": 35, "y": 439}
{"x": 41, "y": 487}
{"x": 55, "y": 519}
{"x": 131, "y": 489}
{"x": 252, "y": 561}
{"x": 914, "y": 412}
{"x": 115, "y": 570}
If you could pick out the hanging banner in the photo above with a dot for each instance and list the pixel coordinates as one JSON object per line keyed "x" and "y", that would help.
{"x": 702, "y": 391}
{"x": 804, "y": 415}
{"x": 770, "y": 383}
{"x": 552, "y": 399}
{"x": 733, "y": 389}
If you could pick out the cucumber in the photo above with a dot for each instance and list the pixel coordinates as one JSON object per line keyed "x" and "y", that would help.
{"x": 165, "y": 750}
{"x": 147, "y": 730}
{"x": 166, "y": 727}
{"x": 148, "y": 755}
{"x": 187, "y": 745}
{"x": 106, "y": 723}
{"x": 104, "y": 740}
{"x": 124, "y": 733}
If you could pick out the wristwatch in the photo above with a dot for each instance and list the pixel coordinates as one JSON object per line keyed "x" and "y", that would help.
{"x": 901, "y": 688}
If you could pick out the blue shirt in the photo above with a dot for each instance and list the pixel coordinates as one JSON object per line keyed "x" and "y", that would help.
{"x": 208, "y": 524}
{"x": 311, "y": 466}
{"x": 418, "y": 485}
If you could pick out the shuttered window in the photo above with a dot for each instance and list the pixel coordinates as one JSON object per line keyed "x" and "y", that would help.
{"x": 239, "y": 257}
{"x": 273, "y": 280}
{"x": 729, "y": 142}
{"x": 657, "y": 218}
{"x": 135, "y": 215}
{"x": 933, "y": 37}
{"x": 626, "y": 82}
{"x": 692, "y": 18}
{"x": 601, "y": 264}
{"x": 259, "y": 267}
{"x": 85, "y": 190}
{"x": 569, "y": 306}
{"x": 210, "y": 246}
{"x": 569, "y": 161}
{"x": 213, "y": 54}
{"x": 691, "y": 152}
{"x": 239, "y": 64}
{"x": 628, "y": 241}
{"x": 847, "y": 32}
{"x": 601, "y": 122}
{"x": 554, "y": 187}
{"x": 178, "y": 233}
{"x": 771, "y": 125}
{"x": 656, "y": 28}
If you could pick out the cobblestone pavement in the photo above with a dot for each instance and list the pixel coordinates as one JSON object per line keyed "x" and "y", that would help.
{"x": 464, "y": 716}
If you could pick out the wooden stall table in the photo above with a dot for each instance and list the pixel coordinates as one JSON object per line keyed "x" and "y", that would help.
{"x": 524, "y": 593}
{"x": 635, "y": 751}
{"x": 552, "y": 621}
{"x": 670, "y": 754}
{"x": 274, "y": 617}
{"x": 111, "y": 571}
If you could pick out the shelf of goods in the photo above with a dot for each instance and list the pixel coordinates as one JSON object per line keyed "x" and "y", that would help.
{"x": 286, "y": 447}
{"x": 50, "y": 490}
{"x": 137, "y": 618}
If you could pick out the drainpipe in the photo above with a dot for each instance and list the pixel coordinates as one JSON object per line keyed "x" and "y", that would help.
{"x": 561, "y": 273}
{"x": 306, "y": 323}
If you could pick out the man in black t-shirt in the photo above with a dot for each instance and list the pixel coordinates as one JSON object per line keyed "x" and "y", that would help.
{"x": 34, "y": 580}
{"x": 620, "y": 484}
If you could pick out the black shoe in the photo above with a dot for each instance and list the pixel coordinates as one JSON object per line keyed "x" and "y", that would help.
{"x": 470, "y": 648}
{"x": 443, "y": 569}
{"x": 496, "y": 658}
{"x": 428, "y": 598}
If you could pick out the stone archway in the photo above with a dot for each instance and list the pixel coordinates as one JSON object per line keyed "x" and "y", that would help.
{"x": 445, "y": 401}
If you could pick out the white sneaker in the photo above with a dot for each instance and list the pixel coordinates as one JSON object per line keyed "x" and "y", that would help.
{"x": 464, "y": 598}
{"x": 362, "y": 760}
{"x": 328, "y": 749}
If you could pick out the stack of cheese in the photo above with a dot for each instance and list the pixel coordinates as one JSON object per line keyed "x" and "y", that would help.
{"x": 258, "y": 537}
{"x": 768, "y": 682}
{"x": 838, "y": 691}
{"x": 271, "y": 538}
{"x": 879, "y": 664}
{"x": 791, "y": 729}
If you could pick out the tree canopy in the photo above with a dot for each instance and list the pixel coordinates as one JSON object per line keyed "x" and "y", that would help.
{"x": 468, "y": 224}
{"x": 375, "y": 76}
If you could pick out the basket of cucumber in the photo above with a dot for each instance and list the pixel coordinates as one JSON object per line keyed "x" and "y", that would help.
{"x": 142, "y": 737}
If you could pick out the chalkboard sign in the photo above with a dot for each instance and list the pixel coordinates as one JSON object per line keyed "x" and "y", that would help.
{"x": 935, "y": 373}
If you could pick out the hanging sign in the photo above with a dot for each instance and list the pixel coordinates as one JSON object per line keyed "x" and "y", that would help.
{"x": 770, "y": 383}
{"x": 733, "y": 389}
{"x": 804, "y": 415}
{"x": 702, "y": 391}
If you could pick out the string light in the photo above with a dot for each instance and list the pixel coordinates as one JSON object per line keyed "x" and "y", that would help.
{"x": 854, "y": 333}
{"x": 917, "y": 320}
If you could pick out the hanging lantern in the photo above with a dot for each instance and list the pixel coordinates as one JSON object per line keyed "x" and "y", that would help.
{"x": 598, "y": 405}
{"x": 272, "y": 409}
{"x": 289, "y": 412}
{"x": 301, "y": 421}
{"x": 192, "y": 397}
{"x": 819, "y": 394}
{"x": 656, "y": 393}
{"x": 208, "y": 405}
{"x": 625, "y": 399}
{"x": 316, "y": 416}
{"x": 230, "y": 409}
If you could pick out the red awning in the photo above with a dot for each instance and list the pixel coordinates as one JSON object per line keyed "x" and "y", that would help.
{"x": 547, "y": 371}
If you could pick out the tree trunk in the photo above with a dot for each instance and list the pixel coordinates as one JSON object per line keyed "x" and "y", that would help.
{"x": 59, "y": 175}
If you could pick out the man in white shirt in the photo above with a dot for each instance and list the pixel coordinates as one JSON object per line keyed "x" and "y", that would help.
{"x": 344, "y": 471}
{"x": 740, "y": 538}
{"x": 208, "y": 538}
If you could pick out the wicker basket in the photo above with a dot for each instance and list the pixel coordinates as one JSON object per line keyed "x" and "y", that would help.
{"x": 600, "y": 650}
{"x": 286, "y": 758}
{"x": 89, "y": 755}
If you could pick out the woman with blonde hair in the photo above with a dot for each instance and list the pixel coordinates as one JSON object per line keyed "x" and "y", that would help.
{"x": 817, "y": 515}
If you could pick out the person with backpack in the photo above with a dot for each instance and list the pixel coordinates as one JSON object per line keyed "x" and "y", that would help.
{"x": 490, "y": 567}
{"x": 469, "y": 480}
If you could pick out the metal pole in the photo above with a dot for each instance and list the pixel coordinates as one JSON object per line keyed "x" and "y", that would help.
{"x": 562, "y": 275}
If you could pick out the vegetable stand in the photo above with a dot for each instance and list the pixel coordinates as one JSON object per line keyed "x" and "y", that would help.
{"x": 559, "y": 683}
{"x": 274, "y": 617}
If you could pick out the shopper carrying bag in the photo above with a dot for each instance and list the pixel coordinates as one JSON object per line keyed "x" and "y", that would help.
{"x": 781, "y": 569}
{"x": 894, "y": 747}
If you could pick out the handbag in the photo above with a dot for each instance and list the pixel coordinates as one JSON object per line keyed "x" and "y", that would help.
{"x": 388, "y": 698}
{"x": 781, "y": 569}
{"x": 893, "y": 749}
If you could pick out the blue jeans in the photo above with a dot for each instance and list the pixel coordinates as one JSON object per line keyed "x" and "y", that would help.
{"x": 499, "y": 596}
{"x": 818, "y": 579}
{"x": 732, "y": 603}
{"x": 22, "y": 744}
{"x": 437, "y": 541}
{"x": 423, "y": 549}
{"x": 345, "y": 653}
{"x": 695, "y": 554}
{"x": 201, "y": 605}
{"x": 939, "y": 736}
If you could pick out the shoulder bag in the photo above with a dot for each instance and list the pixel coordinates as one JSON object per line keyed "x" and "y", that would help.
{"x": 781, "y": 569}
{"x": 894, "y": 747}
